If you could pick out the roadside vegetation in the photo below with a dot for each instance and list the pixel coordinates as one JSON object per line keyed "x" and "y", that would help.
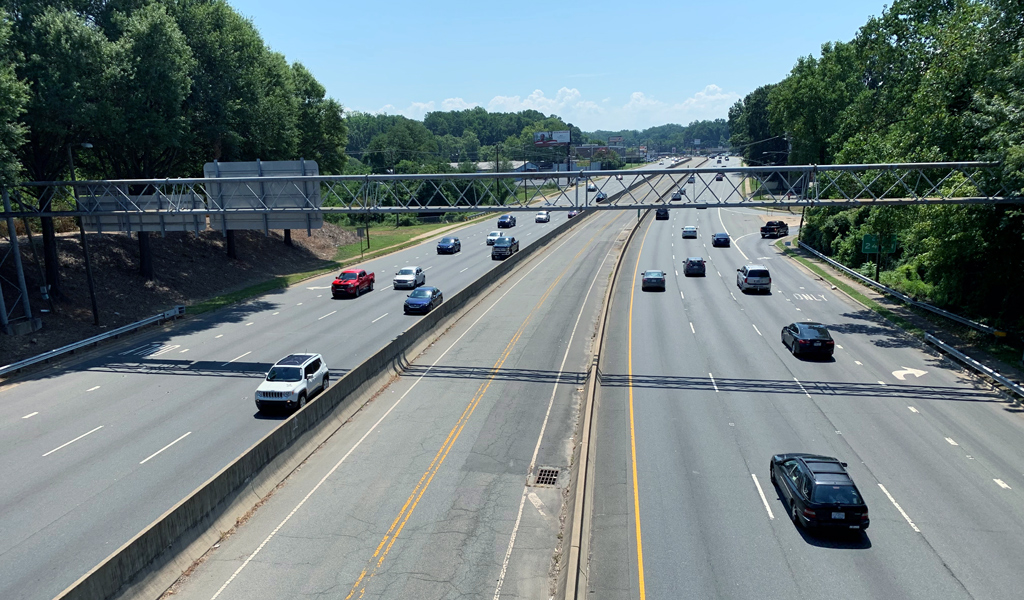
{"x": 925, "y": 81}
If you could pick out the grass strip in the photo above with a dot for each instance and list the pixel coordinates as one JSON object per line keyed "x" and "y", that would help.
{"x": 346, "y": 255}
{"x": 851, "y": 291}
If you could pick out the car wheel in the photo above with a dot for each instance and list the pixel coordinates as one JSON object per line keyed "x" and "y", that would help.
{"x": 371, "y": 286}
{"x": 792, "y": 347}
{"x": 771, "y": 473}
{"x": 793, "y": 514}
{"x": 326, "y": 383}
{"x": 302, "y": 399}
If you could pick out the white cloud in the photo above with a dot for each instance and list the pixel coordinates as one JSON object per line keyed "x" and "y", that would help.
{"x": 456, "y": 104}
{"x": 640, "y": 111}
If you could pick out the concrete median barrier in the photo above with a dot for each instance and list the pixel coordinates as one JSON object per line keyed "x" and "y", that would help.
{"x": 146, "y": 565}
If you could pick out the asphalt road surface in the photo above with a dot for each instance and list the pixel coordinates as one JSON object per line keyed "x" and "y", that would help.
{"x": 697, "y": 393}
{"x": 93, "y": 451}
{"x": 430, "y": 492}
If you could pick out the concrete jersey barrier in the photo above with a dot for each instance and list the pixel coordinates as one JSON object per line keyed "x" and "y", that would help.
{"x": 187, "y": 520}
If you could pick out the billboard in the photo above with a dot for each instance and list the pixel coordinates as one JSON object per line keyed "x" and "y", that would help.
{"x": 615, "y": 139}
{"x": 546, "y": 139}
{"x": 643, "y": 149}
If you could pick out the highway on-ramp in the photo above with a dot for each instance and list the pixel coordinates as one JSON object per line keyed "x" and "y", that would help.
{"x": 697, "y": 393}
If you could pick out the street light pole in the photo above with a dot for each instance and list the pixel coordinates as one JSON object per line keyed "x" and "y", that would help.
{"x": 85, "y": 242}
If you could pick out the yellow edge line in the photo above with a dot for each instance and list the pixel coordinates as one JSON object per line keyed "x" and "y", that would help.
{"x": 632, "y": 429}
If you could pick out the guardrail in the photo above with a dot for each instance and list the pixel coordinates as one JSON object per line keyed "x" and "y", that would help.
{"x": 1011, "y": 385}
{"x": 173, "y": 313}
{"x": 903, "y": 297}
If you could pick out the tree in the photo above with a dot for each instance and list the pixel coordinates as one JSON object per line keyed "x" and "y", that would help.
{"x": 321, "y": 124}
{"x": 13, "y": 97}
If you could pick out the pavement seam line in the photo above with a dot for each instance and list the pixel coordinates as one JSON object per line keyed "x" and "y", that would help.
{"x": 540, "y": 437}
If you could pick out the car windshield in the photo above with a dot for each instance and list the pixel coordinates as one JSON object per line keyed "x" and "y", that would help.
{"x": 407, "y": 271}
{"x": 447, "y": 240}
{"x": 757, "y": 273}
{"x": 347, "y": 276}
{"x": 836, "y": 494}
{"x": 815, "y": 332}
{"x": 284, "y": 374}
{"x": 420, "y": 293}
{"x": 494, "y": 234}
{"x": 503, "y": 242}
{"x": 654, "y": 274}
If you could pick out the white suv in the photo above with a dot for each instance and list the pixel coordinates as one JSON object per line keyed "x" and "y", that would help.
{"x": 292, "y": 381}
{"x": 410, "y": 277}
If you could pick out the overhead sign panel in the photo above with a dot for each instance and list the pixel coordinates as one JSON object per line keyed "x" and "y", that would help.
{"x": 547, "y": 139}
{"x": 263, "y": 205}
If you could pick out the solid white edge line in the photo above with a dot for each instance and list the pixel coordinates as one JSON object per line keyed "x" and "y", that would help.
{"x": 379, "y": 421}
{"x": 73, "y": 441}
{"x": 899, "y": 508}
{"x": 540, "y": 438}
{"x": 327, "y": 315}
{"x": 763, "y": 499}
{"x": 236, "y": 358}
{"x": 30, "y": 415}
{"x": 379, "y": 318}
{"x": 165, "y": 447}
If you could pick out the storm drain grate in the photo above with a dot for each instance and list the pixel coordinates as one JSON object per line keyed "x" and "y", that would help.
{"x": 547, "y": 477}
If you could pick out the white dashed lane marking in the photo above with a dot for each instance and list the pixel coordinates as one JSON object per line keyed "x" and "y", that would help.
{"x": 93, "y": 388}
{"x": 30, "y": 415}
{"x": 73, "y": 441}
{"x": 379, "y": 318}
{"x": 913, "y": 410}
{"x": 165, "y": 447}
{"x": 327, "y": 315}
{"x": 756, "y": 329}
{"x": 952, "y": 442}
{"x": 1002, "y": 484}
{"x": 236, "y": 358}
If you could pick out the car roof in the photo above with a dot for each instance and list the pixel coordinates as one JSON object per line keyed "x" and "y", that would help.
{"x": 660, "y": 272}
{"x": 295, "y": 360}
{"x": 721, "y": 235}
{"x": 410, "y": 267}
{"x": 497, "y": 233}
{"x": 748, "y": 267}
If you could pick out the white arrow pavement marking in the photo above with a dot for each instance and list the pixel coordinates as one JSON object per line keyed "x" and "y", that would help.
{"x": 902, "y": 375}
{"x": 1002, "y": 484}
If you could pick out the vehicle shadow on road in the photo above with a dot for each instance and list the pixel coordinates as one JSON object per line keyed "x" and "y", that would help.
{"x": 838, "y": 539}
{"x": 814, "y": 388}
{"x": 202, "y": 368}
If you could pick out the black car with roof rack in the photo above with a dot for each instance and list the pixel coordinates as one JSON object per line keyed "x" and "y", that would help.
{"x": 818, "y": 492}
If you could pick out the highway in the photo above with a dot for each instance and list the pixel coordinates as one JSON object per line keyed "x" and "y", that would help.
{"x": 429, "y": 494}
{"x": 697, "y": 393}
{"x": 95, "y": 449}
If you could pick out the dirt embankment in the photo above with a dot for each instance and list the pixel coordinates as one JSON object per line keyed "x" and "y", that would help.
{"x": 188, "y": 269}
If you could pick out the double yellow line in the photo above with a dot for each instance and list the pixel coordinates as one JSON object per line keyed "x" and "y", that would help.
{"x": 384, "y": 547}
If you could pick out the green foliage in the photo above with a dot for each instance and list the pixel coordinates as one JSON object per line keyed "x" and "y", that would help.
{"x": 13, "y": 96}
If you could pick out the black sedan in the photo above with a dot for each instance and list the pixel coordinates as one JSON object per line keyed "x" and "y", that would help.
{"x": 720, "y": 239}
{"x": 423, "y": 300}
{"x": 818, "y": 492}
{"x": 573, "y": 213}
{"x": 449, "y": 245}
{"x": 807, "y": 338}
{"x": 653, "y": 280}
{"x": 694, "y": 266}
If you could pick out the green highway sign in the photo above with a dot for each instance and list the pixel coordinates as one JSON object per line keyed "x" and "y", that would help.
{"x": 870, "y": 243}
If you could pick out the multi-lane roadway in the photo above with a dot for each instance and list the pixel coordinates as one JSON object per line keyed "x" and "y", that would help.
{"x": 697, "y": 393}
{"x": 95, "y": 450}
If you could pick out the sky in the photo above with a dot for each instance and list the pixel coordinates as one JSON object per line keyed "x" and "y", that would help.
{"x": 597, "y": 64}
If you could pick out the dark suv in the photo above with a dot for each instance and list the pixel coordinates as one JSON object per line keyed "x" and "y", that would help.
{"x": 504, "y": 247}
{"x": 505, "y": 221}
{"x": 818, "y": 491}
{"x": 661, "y": 214}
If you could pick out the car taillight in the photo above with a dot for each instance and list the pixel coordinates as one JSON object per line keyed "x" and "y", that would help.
{"x": 804, "y": 341}
{"x": 810, "y": 514}
{"x": 830, "y": 343}
{"x": 864, "y": 517}
{"x": 769, "y": 280}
